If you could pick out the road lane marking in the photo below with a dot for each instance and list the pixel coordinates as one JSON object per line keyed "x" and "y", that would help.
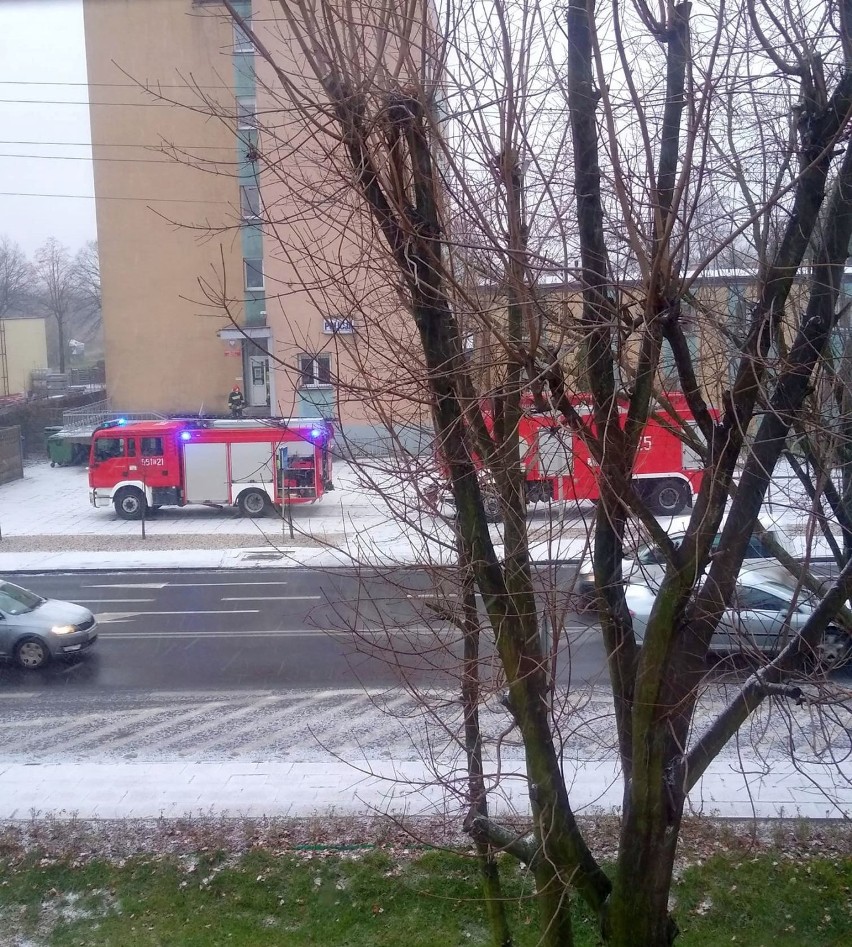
{"x": 132, "y": 720}
{"x": 268, "y": 633}
{"x": 177, "y": 585}
{"x": 96, "y": 733}
{"x": 196, "y": 710}
{"x": 271, "y": 598}
{"x": 265, "y": 704}
{"x": 111, "y": 601}
{"x": 127, "y": 616}
{"x": 128, "y": 585}
{"x": 192, "y": 585}
{"x": 295, "y": 632}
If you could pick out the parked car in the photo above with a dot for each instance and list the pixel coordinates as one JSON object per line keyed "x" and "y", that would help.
{"x": 767, "y": 608}
{"x": 34, "y": 630}
{"x": 648, "y": 565}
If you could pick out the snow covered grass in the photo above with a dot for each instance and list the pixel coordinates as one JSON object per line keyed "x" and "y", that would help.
{"x": 391, "y": 895}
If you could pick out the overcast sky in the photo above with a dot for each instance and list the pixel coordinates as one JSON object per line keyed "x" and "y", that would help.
{"x": 43, "y": 62}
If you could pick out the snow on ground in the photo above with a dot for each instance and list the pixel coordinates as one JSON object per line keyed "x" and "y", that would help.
{"x": 373, "y": 516}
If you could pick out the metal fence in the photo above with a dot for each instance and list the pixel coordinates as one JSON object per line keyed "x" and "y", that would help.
{"x": 47, "y": 384}
{"x": 91, "y": 415}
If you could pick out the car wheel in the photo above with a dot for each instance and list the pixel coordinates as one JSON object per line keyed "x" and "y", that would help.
{"x": 31, "y": 654}
{"x": 667, "y": 497}
{"x": 834, "y": 650}
{"x": 130, "y": 503}
{"x": 253, "y": 503}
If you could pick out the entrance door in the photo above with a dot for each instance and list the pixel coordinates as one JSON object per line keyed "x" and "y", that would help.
{"x": 258, "y": 387}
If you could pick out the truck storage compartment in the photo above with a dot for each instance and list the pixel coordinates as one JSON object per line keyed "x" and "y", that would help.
{"x": 297, "y": 471}
{"x": 251, "y": 462}
{"x": 206, "y": 473}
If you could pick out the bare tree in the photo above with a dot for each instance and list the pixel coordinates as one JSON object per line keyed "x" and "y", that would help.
{"x": 462, "y": 160}
{"x": 16, "y": 276}
{"x": 87, "y": 275}
{"x": 55, "y": 274}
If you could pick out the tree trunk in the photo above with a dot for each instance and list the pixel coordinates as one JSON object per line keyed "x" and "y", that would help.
{"x": 495, "y": 905}
{"x": 638, "y": 910}
{"x": 60, "y": 334}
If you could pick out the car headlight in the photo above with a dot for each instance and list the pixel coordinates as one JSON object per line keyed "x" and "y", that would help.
{"x": 64, "y": 629}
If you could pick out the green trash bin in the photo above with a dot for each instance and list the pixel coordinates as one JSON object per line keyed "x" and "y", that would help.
{"x": 59, "y": 449}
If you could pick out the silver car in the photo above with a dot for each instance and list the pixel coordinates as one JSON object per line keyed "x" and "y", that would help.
{"x": 768, "y": 607}
{"x": 33, "y": 630}
{"x": 648, "y": 565}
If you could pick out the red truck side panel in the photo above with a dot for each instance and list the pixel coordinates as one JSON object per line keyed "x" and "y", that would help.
{"x": 186, "y": 461}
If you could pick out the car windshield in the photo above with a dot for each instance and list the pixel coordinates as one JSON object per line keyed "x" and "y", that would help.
{"x": 788, "y": 592}
{"x": 653, "y": 555}
{"x": 16, "y": 601}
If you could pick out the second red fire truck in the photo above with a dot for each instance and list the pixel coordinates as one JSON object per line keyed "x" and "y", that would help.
{"x": 667, "y": 472}
{"x": 558, "y": 466}
{"x": 250, "y": 463}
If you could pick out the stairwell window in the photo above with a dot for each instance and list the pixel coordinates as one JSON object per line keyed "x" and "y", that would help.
{"x": 250, "y": 201}
{"x": 315, "y": 371}
{"x": 246, "y": 113}
{"x": 242, "y": 42}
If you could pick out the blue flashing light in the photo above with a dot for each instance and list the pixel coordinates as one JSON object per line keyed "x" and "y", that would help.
{"x": 122, "y": 421}
{"x": 316, "y": 433}
{"x": 185, "y": 435}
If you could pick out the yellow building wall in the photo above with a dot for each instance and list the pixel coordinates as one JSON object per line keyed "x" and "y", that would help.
{"x": 26, "y": 351}
{"x": 168, "y": 223}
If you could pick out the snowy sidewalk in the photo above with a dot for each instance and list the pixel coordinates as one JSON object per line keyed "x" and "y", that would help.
{"x": 113, "y": 790}
{"x": 48, "y": 524}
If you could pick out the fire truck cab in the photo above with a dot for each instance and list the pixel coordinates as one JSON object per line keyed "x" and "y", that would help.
{"x": 252, "y": 464}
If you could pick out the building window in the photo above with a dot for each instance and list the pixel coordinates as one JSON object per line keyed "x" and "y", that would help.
{"x": 242, "y": 41}
{"x": 315, "y": 371}
{"x": 668, "y": 367}
{"x": 337, "y": 326}
{"x": 250, "y": 201}
{"x": 246, "y": 112}
{"x": 253, "y": 270}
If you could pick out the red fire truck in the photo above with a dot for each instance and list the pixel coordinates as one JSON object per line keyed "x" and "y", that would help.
{"x": 559, "y": 468}
{"x": 251, "y": 463}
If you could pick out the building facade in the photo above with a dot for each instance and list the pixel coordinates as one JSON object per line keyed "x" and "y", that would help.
{"x": 212, "y": 270}
{"x": 23, "y": 350}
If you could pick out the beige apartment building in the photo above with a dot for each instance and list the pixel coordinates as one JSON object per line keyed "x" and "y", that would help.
{"x": 212, "y": 272}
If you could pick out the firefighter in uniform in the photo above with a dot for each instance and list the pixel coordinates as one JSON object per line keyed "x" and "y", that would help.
{"x": 236, "y": 402}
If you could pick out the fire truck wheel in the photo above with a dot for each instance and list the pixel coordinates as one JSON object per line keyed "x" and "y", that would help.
{"x": 667, "y": 497}
{"x": 130, "y": 503}
{"x": 253, "y": 503}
